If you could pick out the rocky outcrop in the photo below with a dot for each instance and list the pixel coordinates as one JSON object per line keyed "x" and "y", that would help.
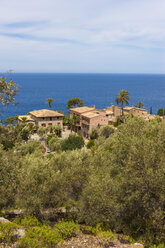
{"x": 3, "y": 220}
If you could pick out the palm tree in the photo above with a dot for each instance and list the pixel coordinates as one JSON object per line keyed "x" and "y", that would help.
{"x": 72, "y": 121}
{"x": 49, "y": 101}
{"x": 139, "y": 104}
{"x": 122, "y": 98}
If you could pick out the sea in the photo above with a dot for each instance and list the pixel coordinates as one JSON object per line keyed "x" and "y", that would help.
{"x": 95, "y": 89}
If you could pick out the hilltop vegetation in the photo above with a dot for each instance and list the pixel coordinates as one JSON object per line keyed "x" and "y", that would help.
{"x": 118, "y": 181}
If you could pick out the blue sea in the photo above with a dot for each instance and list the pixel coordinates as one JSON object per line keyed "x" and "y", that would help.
{"x": 95, "y": 89}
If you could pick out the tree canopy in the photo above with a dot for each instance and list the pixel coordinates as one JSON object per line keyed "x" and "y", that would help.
{"x": 50, "y": 101}
{"x": 75, "y": 102}
{"x": 118, "y": 182}
{"x": 122, "y": 98}
{"x": 8, "y": 91}
{"x": 139, "y": 104}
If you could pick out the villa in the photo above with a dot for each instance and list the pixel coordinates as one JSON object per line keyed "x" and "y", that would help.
{"x": 92, "y": 120}
{"x": 78, "y": 113}
{"x": 43, "y": 117}
{"x": 88, "y": 118}
{"x": 137, "y": 112}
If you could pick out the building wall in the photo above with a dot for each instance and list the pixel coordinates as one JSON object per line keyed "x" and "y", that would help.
{"x": 88, "y": 124}
{"x": 137, "y": 112}
{"x": 48, "y": 121}
{"x": 117, "y": 112}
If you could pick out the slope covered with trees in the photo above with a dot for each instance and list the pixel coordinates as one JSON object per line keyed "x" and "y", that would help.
{"x": 118, "y": 182}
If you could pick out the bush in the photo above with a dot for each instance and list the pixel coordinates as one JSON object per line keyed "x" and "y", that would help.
{"x": 160, "y": 112}
{"x": 46, "y": 236}
{"x": 94, "y": 134}
{"x": 72, "y": 142}
{"x": 8, "y": 233}
{"x": 67, "y": 229}
{"x": 54, "y": 144}
{"x": 106, "y": 238}
{"x": 50, "y": 136}
{"x": 90, "y": 143}
{"x": 29, "y": 221}
{"x": 107, "y": 131}
{"x": 30, "y": 147}
{"x": 126, "y": 188}
{"x": 39, "y": 237}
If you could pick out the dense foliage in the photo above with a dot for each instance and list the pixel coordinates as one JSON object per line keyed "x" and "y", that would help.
{"x": 118, "y": 182}
{"x": 8, "y": 91}
{"x": 75, "y": 102}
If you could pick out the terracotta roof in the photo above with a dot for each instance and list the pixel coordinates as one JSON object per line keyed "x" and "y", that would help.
{"x": 133, "y": 107}
{"x": 128, "y": 108}
{"x": 91, "y": 114}
{"x": 108, "y": 112}
{"x": 140, "y": 109}
{"x": 28, "y": 117}
{"x": 83, "y": 109}
{"x": 46, "y": 113}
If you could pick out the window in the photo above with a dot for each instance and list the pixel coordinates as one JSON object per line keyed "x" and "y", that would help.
{"x": 59, "y": 124}
{"x": 43, "y": 124}
{"x": 50, "y": 118}
{"x": 49, "y": 124}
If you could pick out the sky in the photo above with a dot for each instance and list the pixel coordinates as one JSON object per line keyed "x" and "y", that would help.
{"x": 82, "y": 36}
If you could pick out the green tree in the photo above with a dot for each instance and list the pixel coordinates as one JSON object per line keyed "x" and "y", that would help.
{"x": 107, "y": 131}
{"x": 75, "y": 102}
{"x": 8, "y": 91}
{"x": 122, "y": 98}
{"x": 151, "y": 110}
{"x": 71, "y": 121}
{"x": 11, "y": 120}
{"x": 72, "y": 142}
{"x": 160, "y": 112}
{"x": 139, "y": 104}
{"x": 49, "y": 101}
{"x": 94, "y": 134}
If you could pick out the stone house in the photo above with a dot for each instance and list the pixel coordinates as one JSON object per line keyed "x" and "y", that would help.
{"x": 113, "y": 113}
{"x": 78, "y": 113}
{"x": 88, "y": 118}
{"x": 92, "y": 119}
{"x": 137, "y": 112}
{"x": 45, "y": 117}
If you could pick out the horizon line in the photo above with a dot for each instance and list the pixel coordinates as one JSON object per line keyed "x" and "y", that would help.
{"x": 119, "y": 73}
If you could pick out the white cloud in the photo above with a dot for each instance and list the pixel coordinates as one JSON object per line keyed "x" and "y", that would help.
{"x": 76, "y": 35}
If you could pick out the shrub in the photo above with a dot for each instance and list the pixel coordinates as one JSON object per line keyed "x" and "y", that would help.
{"x": 90, "y": 143}
{"x": 50, "y": 136}
{"x": 30, "y": 147}
{"x": 7, "y": 233}
{"x": 126, "y": 239}
{"x": 106, "y": 238}
{"x": 107, "y": 131}
{"x": 39, "y": 237}
{"x": 94, "y": 134}
{"x": 72, "y": 142}
{"x": 160, "y": 112}
{"x": 29, "y": 221}
{"x": 158, "y": 246}
{"x": 55, "y": 144}
{"x": 67, "y": 229}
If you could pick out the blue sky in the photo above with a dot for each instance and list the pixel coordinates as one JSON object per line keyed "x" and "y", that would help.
{"x": 97, "y": 36}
